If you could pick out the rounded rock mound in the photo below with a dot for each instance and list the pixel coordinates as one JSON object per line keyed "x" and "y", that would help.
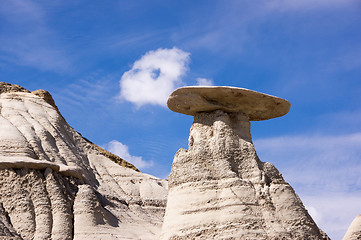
{"x": 354, "y": 230}
{"x": 257, "y": 106}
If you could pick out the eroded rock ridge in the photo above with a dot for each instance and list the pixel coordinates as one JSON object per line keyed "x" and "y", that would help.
{"x": 54, "y": 184}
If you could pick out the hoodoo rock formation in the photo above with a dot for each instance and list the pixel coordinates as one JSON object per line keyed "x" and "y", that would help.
{"x": 218, "y": 188}
{"x": 54, "y": 184}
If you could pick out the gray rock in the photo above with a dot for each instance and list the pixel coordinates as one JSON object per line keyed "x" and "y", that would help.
{"x": 7, "y": 88}
{"x": 219, "y": 189}
{"x": 54, "y": 184}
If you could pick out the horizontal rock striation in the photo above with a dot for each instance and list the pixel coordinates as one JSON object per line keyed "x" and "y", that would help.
{"x": 54, "y": 184}
{"x": 219, "y": 189}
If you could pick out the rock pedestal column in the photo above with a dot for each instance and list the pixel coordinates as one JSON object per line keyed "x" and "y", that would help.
{"x": 219, "y": 189}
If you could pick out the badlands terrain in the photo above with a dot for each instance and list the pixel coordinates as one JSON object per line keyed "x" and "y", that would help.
{"x": 55, "y": 184}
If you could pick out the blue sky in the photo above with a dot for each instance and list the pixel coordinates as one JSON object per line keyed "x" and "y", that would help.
{"x": 109, "y": 64}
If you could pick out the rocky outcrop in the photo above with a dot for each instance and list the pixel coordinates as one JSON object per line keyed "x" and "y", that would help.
{"x": 54, "y": 184}
{"x": 7, "y": 87}
{"x": 354, "y": 231}
{"x": 219, "y": 189}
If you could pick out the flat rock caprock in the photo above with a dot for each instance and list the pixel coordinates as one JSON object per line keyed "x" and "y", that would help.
{"x": 257, "y": 106}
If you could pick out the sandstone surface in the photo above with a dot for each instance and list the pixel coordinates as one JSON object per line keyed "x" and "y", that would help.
{"x": 257, "y": 106}
{"x": 54, "y": 184}
{"x": 354, "y": 231}
{"x": 219, "y": 189}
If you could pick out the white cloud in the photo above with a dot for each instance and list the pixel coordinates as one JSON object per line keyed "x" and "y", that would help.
{"x": 325, "y": 172}
{"x": 315, "y": 162}
{"x": 154, "y": 77}
{"x": 122, "y": 151}
{"x": 333, "y": 213}
{"x": 204, "y": 82}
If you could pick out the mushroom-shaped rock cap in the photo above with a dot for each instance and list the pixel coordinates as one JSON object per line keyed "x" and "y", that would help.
{"x": 257, "y": 106}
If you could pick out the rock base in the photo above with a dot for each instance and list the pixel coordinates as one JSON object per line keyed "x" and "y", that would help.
{"x": 219, "y": 189}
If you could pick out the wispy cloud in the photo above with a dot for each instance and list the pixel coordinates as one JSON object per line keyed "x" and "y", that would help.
{"x": 20, "y": 10}
{"x": 130, "y": 39}
{"x": 236, "y": 24}
{"x": 218, "y": 33}
{"x": 349, "y": 119}
{"x": 325, "y": 172}
{"x": 349, "y": 58}
{"x": 305, "y": 5}
{"x": 122, "y": 151}
{"x": 28, "y": 41}
{"x": 153, "y": 77}
{"x": 333, "y": 213}
{"x": 204, "y": 82}
{"x": 95, "y": 89}
{"x": 319, "y": 159}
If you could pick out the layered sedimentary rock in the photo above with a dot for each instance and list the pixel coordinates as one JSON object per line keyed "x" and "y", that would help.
{"x": 354, "y": 231}
{"x": 54, "y": 184}
{"x": 257, "y": 106}
{"x": 219, "y": 189}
